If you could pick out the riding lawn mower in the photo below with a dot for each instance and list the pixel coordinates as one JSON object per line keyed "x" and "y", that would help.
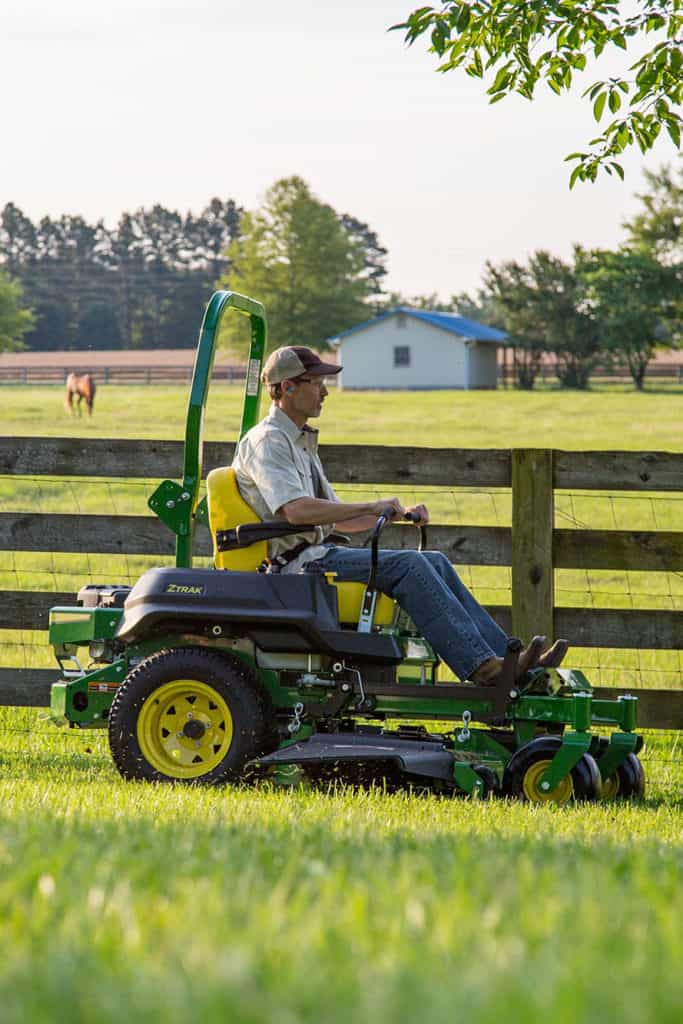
{"x": 230, "y": 674}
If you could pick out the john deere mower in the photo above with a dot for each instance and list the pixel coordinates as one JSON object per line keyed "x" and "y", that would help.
{"x": 228, "y": 675}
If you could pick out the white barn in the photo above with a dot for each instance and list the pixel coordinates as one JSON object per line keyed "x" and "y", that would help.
{"x": 416, "y": 349}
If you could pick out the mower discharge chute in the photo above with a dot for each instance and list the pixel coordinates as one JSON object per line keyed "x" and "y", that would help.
{"x": 228, "y": 674}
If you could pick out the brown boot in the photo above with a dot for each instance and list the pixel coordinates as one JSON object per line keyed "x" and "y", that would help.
{"x": 488, "y": 672}
{"x": 554, "y": 656}
{"x": 529, "y": 657}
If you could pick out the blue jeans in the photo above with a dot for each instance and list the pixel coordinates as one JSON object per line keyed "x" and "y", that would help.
{"x": 427, "y": 586}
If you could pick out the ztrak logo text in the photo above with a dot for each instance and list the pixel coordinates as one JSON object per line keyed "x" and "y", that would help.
{"x": 177, "y": 588}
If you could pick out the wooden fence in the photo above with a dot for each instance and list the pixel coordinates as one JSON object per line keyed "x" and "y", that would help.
{"x": 130, "y": 374}
{"x": 532, "y": 547}
{"x": 116, "y": 374}
{"x": 655, "y": 371}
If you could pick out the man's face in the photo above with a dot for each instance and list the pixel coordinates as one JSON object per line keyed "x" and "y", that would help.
{"x": 308, "y": 395}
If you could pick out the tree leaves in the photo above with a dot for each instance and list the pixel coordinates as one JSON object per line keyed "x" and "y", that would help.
{"x": 599, "y": 105}
{"x": 521, "y": 44}
{"x": 15, "y": 320}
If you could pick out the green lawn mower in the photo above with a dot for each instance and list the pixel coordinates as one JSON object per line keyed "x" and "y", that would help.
{"x": 227, "y": 675}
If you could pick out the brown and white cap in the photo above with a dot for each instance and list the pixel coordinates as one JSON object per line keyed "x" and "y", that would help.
{"x": 293, "y": 361}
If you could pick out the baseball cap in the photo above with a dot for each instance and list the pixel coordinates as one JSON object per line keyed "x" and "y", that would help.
{"x": 293, "y": 361}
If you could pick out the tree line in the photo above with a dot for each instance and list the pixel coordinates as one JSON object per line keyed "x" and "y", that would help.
{"x": 144, "y": 283}
{"x": 139, "y": 284}
{"x": 609, "y": 308}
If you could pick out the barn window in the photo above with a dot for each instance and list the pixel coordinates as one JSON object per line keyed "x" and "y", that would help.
{"x": 401, "y": 355}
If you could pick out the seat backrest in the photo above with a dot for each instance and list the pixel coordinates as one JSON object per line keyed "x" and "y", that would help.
{"x": 227, "y": 509}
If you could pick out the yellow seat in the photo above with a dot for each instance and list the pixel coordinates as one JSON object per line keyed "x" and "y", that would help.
{"x": 228, "y": 509}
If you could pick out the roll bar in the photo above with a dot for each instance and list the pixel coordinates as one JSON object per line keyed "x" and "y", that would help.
{"x": 177, "y": 505}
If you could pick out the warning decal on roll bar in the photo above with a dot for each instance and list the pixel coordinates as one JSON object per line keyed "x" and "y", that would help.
{"x": 253, "y": 373}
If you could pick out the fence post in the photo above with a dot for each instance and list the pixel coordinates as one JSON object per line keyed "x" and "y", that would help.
{"x": 533, "y": 505}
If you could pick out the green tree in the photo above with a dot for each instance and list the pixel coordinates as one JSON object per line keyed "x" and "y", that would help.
{"x": 517, "y": 44}
{"x": 542, "y": 307}
{"x": 657, "y": 230}
{"x": 631, "y": 297}
{"x": 511, "y": 295}
{"x": 98, "y": 327}
{"x": 50, "y": 330}
{"x": 658, "y": 227}
{"x": 296, "y": 256}
{"x": 14, "y": 320}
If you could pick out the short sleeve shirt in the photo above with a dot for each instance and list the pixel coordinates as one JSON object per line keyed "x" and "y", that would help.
{"x": 277, "y": 462}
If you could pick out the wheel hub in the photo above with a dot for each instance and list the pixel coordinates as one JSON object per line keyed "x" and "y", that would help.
{"x": 535, "y": 792}
{"x": 194, "y": 729}
{"x": 184, "y": 729}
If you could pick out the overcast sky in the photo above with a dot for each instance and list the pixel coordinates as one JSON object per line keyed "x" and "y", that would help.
{"x": 109, "y": 106}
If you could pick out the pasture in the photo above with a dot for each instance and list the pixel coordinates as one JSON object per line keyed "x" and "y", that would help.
{"x": 608, "y": 416}
{"x": 125, "y": 901}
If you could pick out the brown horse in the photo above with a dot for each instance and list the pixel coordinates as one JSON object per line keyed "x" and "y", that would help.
{"x": 79, "y": 386}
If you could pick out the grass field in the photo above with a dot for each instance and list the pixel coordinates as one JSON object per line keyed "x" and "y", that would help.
{"x": 125, "y": 902}
{"x": 608, "y": 417}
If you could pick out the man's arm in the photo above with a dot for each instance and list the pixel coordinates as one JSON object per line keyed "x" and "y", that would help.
{"x": 356, "y": 516}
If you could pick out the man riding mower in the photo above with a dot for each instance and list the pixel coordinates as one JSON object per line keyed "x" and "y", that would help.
{"x": 258, "y": 669}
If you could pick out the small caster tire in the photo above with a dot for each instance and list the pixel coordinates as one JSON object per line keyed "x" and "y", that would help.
{"x": 627, "y": 782}
{"x": 490, "y": 779}
{"x": 526, "y": 768}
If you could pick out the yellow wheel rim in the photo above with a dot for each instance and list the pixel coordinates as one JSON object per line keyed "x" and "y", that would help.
{"x": 531, "y": 784}
{"x": 184, "y": 729}
{"x": 610, "y": 787}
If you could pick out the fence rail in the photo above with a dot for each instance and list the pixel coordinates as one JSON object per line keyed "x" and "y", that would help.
{"x": 114, "y": 374}
{"x": 129, "y": 374}
{"x": 532, "y": 546}
{"x": 659, "y": 371}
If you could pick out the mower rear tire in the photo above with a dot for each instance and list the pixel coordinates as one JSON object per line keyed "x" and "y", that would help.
{"x": 525, "y": 769}
{"x": 189, "y": 715}
{"x": 627, "y": 782}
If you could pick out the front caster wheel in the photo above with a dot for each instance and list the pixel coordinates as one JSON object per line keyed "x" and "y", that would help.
{"x": 490, "y": 779}
{"x": 627, "y": 782}
{"x": 526, "y": 768}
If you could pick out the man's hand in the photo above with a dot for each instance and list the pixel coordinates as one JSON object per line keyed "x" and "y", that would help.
{"x": 421, "y": 511}
{"x": 384, "y": 503}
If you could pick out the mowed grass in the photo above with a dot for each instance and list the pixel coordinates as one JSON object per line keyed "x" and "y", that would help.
{"x": 128, "y": 902}
{"x": 163, "y": 904}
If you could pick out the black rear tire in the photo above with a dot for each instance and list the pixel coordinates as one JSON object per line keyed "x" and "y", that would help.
{"x": 189, "y": 715}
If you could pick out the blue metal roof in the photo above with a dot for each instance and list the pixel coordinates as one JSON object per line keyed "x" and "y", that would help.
{"x": 447, "y": 321}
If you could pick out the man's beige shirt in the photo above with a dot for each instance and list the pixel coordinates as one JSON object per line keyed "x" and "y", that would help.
{"x": 273, "y": 465}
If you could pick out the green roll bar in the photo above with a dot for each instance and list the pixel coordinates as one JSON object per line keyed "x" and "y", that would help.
{"x": 177, "y": 505}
